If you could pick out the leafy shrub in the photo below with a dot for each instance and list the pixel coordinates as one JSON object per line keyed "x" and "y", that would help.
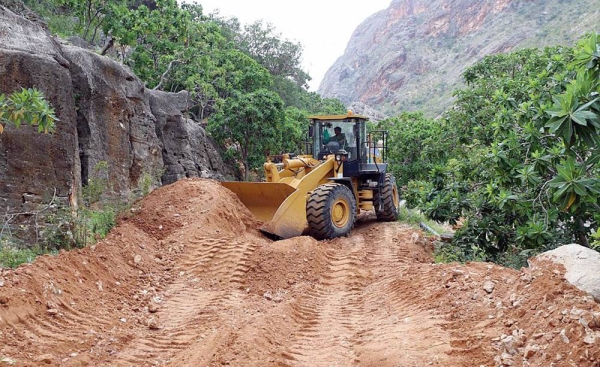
{"x": 520, "y": 155}
{"x": 415, "y": 193}
{"x": 12, "y": 256}
{"x": 97, "y": 184}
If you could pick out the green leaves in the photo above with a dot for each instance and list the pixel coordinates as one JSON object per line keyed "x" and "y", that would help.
{"x": 522, "y": 143}
{"x": 529, "y": 176}
{"x": 252, "y": 124}
{"x": 27, "y": 106}
{"x": 588, "y": 55}
{"x": 413, "y": 145}
{"x": 572, "y": 186}
{"x": 533, "y": 234}
{"x": 571, "y": 119}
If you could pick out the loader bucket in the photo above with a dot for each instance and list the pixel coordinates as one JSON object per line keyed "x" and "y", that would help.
{"x": 279, "y": 205}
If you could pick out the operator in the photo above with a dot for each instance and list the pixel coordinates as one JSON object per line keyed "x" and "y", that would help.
{"x": 339, "y": 137}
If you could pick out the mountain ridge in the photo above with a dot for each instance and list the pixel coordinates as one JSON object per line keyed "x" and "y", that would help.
{"x": 411, "y": 55}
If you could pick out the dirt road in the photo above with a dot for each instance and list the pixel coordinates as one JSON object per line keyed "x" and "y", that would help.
{"x": 187, "y": 280}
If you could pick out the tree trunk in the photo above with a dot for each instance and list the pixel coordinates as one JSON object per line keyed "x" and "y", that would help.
{"x": 580, "y": 232}
{"x": 246, "y": 169}
{"x": 108, "y": 46}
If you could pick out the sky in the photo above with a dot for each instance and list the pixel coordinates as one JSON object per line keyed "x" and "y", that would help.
{"x": 323, "y": 27}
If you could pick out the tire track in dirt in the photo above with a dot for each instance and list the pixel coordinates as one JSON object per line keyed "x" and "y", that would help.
{"x": 329, "y": 317}
{"x": 391, "y": 314}
{"x": 191, "y": 260}
{"x": 208, "y": 275}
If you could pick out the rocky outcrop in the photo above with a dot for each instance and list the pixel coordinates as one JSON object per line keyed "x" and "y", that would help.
{"x": 106, "y": 115}
{"x": 187, "y": 151}
{"x": 410, "y": 56}
{"x": 114, "y": 121}
{"x": 35, "y": 169}
{"x": 582, "y": 266}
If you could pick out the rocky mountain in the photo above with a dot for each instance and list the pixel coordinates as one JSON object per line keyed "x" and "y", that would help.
{"x": 410, "y": 56}
{"x": 106, "y": 115}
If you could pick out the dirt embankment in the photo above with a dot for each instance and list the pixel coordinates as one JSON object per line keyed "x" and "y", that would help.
{"x": 187, "y": 280}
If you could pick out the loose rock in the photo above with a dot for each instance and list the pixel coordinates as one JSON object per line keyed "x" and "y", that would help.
{"x": 564, "y": 337}
{"x": 153, "y": 307}
{"x": 152, "y": 323}
{"x": 45, "y": 358}
{"x": 489, "y": 286}
{"x": 590, "y": 338}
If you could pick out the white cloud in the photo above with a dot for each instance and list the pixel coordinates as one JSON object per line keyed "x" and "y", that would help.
{"x": 323, "y": 27}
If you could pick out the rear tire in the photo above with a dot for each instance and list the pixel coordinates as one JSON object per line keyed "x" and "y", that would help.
{"x": 330, "y": 211}
{"x": 390, "y": 200}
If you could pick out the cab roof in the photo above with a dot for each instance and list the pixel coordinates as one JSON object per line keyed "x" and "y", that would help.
{"x": 347, "y": 117}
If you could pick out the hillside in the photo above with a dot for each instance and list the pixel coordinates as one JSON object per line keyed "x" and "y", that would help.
{"x": 108, "y": 118}
{"x": 411, "y": 55}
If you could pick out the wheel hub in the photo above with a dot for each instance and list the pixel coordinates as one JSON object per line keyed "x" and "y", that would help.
{"x": 340, "y": 213}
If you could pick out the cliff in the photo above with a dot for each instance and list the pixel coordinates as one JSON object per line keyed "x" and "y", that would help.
{"x": 106, "y": 115}
{"x": 410, "y": 56}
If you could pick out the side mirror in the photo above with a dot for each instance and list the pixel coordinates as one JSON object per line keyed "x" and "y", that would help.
{"x": 311, "y": 131}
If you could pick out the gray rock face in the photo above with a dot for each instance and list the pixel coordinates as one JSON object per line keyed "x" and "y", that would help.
{"x": 114, "y": 120}
{"x": 35, "y": 167}
{"x": 582, "y": 266}
{"x": 187, "y": 150}
{"x": 106, "y": 115}
{"x": 411, "y": 55}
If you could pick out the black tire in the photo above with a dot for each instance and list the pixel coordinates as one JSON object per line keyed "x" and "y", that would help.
{"x": 330, "y": 211}
{"x": 390, "y": 200}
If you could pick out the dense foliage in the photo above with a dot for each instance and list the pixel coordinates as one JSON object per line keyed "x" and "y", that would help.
{"x": 222, "y": 64}
{"x": 516, "y": 158}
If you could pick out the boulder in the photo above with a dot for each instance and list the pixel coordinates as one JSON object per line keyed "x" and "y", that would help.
{"x": 582, "y": 266}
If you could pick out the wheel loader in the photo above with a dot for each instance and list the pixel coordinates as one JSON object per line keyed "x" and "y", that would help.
{"x": 320, "y": 194}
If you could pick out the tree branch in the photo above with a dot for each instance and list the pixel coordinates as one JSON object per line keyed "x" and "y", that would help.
{"x": 108, "y": 46}
{"x": 163, "y": 77}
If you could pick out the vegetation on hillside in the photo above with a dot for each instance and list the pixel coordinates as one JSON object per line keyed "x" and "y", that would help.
{"x": 515, "y": 159}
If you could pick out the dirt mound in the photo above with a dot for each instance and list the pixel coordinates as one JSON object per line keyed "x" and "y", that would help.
{"x": 197, "y": 203}
{"x": 187, "y": 279}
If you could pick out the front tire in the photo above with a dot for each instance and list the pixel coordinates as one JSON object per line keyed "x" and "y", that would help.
{"x": 330, "y": 211}
{"x": 390, "y": 200}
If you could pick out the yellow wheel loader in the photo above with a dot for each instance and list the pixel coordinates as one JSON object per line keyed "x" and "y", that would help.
{"x": 321, "y": 193}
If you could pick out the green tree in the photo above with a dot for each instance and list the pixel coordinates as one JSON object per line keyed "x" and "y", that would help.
{"x": 90, "y": 15}
{"x": 281, "y": 57}
{"x": 520, "y": 154}
{"x": 412, "y": 145}
{"x": 250, "y": 126}
{"x": 158, "y": 37}
{"x": 27, "y": 106}
{"x": 295, "y": 130}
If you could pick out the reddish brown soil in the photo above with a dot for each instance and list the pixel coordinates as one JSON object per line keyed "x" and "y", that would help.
{"x": 187, "y": 280}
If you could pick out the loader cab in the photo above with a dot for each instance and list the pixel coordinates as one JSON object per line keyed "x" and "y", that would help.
{"x": 347, "y": 135}
{"x": 335, "y": 136}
